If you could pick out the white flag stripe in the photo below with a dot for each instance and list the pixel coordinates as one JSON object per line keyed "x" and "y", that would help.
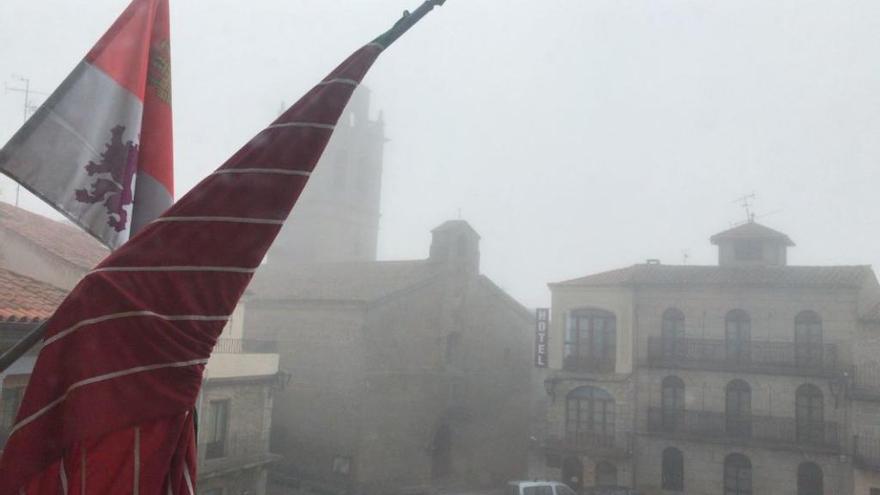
{"x": 229, "y": 269}
{"x": 101, "y": 378}
{"x": 278, "y": 171}
{"x": 130, "y": 314}
{"x": 308, "y": 125}
{"x": 62, "y": 472}
{"x": 339, "y": 80}
{"x": 268, "y": 221}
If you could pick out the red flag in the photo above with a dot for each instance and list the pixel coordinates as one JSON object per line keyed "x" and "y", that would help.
{"x": 102, "y": 141}
{"x": 107, "y": 409}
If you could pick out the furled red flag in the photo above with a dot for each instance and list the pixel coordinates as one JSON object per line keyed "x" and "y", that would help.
{"x": 99, "y": 149}
{"x": 108, "y": 406}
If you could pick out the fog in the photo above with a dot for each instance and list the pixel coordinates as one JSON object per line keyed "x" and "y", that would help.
{"x": 574, "y": 136}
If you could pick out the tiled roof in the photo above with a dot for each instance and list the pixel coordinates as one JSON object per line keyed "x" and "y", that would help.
{"x": 62, "y": 240}
{"x": 352, "y": 281}
{"x": 761, "y": 276}
{"x": 751, "y": 230}
{"x": 26, "y": 299}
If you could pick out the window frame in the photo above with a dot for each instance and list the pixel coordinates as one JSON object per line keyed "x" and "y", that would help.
{"x": 672, "y": 470}
{"x": 590, "y": 340}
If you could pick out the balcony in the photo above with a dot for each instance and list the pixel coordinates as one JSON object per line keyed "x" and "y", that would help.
{"x": 245, "y": 346}
{"x": 760, "y": 430}
{"x": 612, "y": 445}
{"x": 866, "y": 452}
{"x": 754, "y": 356}
{"x": 234, "y": 452}
{"x": 866, "y": 383}
{"x": 591, "y": 364}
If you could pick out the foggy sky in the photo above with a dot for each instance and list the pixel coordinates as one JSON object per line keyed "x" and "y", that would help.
{"x": 575, "y": 135}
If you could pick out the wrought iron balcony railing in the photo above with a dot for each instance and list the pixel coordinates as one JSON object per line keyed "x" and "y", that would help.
{"x": 761, "y": 356}
{"x": 718, "y": 426}
{"x": 866, "y": 382}
{"x": 235, "y": 447}
{"x": 866, "y": 452}
{"x": 239, "y": 346}
{"x": 618, "y": 445}
{"x": 593, "y": 364}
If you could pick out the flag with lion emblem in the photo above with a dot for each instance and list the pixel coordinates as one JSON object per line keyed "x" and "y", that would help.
{"x": 99, "y": 149}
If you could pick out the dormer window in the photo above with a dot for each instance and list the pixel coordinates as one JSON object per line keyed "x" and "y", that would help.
{"x": 748, "y": 250}
{"x": 752, "y": 244}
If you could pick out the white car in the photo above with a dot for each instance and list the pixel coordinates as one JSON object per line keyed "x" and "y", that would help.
{"x": 538, "y": 488}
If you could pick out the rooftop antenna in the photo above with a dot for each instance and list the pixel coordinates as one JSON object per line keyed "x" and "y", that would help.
{"x": 29, "y": 108}
{"x": 746, "y": 202}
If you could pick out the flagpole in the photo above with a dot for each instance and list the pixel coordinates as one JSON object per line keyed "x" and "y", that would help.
{"x": 408, "y": 20}
{"x": 22, "y": 346}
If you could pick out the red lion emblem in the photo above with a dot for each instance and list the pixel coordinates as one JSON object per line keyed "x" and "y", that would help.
{"x": 116, "y": 168}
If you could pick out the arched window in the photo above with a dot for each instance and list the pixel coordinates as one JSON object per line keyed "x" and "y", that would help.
{"x": 453, "y": 348}
{"x": 589, "y": 417}
{"x": 810, "y": 414}
{"x": 810, "y": 479}
{"x": 606, "y": 474}
{"x": 672, "y": 399}
{"x": 590, "y": 341}
{"x": 673, "y": 470}
{"x": 738, "y": 408}
{"x": 737, "y": 475}
{"x": 672, "y": 334}
{"x": 738, "y": 336}
{"x": 808, "y": 339}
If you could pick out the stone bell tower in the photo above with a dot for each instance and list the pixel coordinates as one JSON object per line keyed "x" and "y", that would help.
{"x": 337, "y": 216}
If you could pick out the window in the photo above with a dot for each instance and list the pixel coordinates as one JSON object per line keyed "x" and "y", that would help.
{"x": 810, "y": 414}
{"x": 673, "y": 470}
{"x": 738, "y": 409}
{"x": 589, "y": 416}
{"x": 672, "y": 334}
{"x": 737, "y": 336}
{"x": 606, "y": 474}
{"x": 808, "y": 339}
{"x": 810, "y": 479}
{"x": 748, "y": 250}
{"x": 342, "y": 465}
{"x": 672, "y": 398}
{"x": 216, "y": 428}
{"x": 590, "y": 341}
{"x": 737, "y": 475}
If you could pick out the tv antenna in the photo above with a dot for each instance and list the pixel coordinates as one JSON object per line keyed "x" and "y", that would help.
{"x": 747, "y": 204}
{"x": 30, "y": 107}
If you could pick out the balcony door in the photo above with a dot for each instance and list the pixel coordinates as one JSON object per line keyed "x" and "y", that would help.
{"x": 810, "y": 414}
{"x": 672, "y": 407}
{"x": 591, "y": 341}
{"x": 738, "y": 409}
{"x": 808, "y": 340}
{"x": 672, "y": 335}
{"x": 589, "y": 418}
{"x": 738, "y": 336}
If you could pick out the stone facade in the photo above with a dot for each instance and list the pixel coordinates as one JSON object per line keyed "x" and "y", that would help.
{"x": 337, "y": 216}
{"x": 678, "y": 375}
{"x": 404, "y": 373}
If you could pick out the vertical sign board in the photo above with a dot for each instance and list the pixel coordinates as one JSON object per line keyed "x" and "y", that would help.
{"x": 542, "y": 321}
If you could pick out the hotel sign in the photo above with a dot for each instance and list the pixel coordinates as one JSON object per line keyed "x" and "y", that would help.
{"x": 542, "y": 321}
